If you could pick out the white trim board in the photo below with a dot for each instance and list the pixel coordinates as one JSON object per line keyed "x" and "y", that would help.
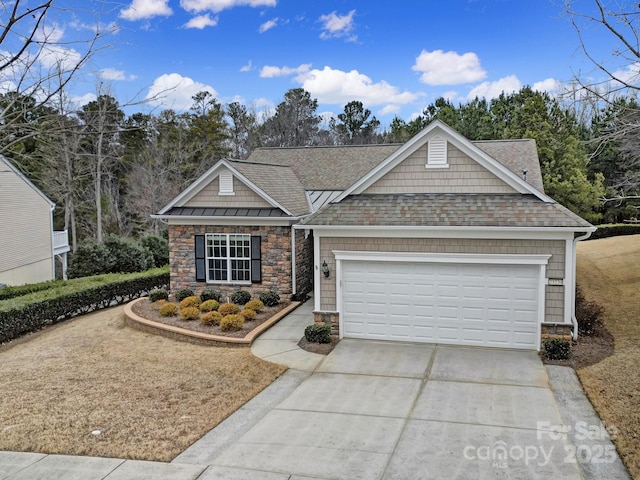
{"x": 496, "y": 259}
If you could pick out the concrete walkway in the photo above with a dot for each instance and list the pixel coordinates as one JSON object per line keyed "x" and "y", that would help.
{"x": 378, "y": 410}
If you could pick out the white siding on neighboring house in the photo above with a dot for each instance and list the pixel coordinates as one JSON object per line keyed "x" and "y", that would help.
{"x": 25, "y": 231}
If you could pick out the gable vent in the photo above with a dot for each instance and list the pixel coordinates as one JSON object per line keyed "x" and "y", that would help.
{"x": 437, "y": 152}
{"x": 226, "y": 183}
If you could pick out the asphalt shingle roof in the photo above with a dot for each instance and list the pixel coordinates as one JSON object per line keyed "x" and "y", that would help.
{"x": 326, "y": 168}
{"x": 279, "y": 182}
{"x": 445, "y": 210}
{"x": 516, "y": 155}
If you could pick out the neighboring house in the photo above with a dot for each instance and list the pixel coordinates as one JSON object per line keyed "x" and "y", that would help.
{"x": 441, "y": 239}
{"x": 28, "y": 245}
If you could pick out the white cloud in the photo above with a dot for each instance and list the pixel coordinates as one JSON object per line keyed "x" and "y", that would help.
{"x": 202, "y": 21}
{"x": 338, "y": 87}
{"x": 389, "y": 109}
{"x": 549, "y": 85}
{"x": 80, "y": 100}
{"x": 247, "y": 68}
{"x": 491, "y": 90}
{"x": 172, "y": 90}
{"x": 114, "y": 74}
{"x": 142, "y": 9}
{"x": 216, "y": 6}
{"x": 630, "y": 75}
{"x": 268, "y": 25}
{"x": 450, "y": 95}
{"x": 336, "y": 26}
{"x": 270, "y": 71}
{"x": 448, "y": 68}
{"x": 53, "y": 56}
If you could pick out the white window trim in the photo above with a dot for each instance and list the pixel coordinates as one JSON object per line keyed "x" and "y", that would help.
{"x": 228, "y": 259}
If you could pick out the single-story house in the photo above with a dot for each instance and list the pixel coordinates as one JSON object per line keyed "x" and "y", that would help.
{"x": 440, "y": 239}
{"x": 29, "y": 246}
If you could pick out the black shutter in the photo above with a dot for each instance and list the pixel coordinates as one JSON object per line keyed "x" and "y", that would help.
{"x": 201, "y": 267}
{"x": 256, "y": 260}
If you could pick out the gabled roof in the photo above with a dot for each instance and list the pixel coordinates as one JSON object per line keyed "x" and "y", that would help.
{"x": 271, "y": 178}
{"x": 440, "y": 128}
{"x": 15, "y": 170}
{"x": 445, "y": 210}
{"x": 326, "y": 168}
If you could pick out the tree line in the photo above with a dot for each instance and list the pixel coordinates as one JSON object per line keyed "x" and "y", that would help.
{"x": 108, "y": 171}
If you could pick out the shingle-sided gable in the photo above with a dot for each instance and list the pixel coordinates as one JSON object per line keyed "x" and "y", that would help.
{"x": 461, "y": 175}
{"x": 243, "y": 197}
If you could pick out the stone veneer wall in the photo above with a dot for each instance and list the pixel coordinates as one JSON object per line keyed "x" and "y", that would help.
{"x": 304, "y": 264}
{"x": 276, "y": 258}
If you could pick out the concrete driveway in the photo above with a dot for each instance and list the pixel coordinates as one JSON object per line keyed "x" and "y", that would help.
{"x": 382, "y": 410}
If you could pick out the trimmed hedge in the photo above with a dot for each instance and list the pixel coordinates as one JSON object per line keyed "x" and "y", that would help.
{"x": 17, "y": 291}
{"x": 28, "y": 313}
{"x": 615, "y": 230}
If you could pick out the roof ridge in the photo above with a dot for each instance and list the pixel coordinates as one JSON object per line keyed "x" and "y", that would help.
{"x": 332, "y": 146}
{"x": 262, "y": 164}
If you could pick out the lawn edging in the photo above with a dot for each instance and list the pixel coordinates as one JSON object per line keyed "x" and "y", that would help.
{"x": 136, "y": 321}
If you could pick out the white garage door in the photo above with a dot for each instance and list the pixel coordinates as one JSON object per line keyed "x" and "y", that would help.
{"x": 464, "y": 304}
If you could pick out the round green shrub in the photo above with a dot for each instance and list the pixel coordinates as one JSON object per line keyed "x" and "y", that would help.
{"x": 229, "y": 309}
{"x": 231, "y": 323}
{"x": 169, "y": 310}
{"x": 158, "y": 294}
{"x": 183, "y": 293}
{"x": 248, "y": 314}
{"x": 189, "y": 313}
{"x": 270, "y": 298}
{"x": 211, "y": 318}
{"x": 556, "y": 348}
{"x": 255, "y": 305}
{"x": 318, "y": 333}
{"x": 210, "y": 294}
{"x": 240, "y": 297}
{"x": 127, "y": 256}
{"x": 209, "y": 306}
{"x": 192, "y": 301}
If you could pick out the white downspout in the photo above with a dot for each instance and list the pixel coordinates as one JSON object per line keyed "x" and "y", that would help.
{"x": 53, "y": 255}
{"x": 574, "y": 320}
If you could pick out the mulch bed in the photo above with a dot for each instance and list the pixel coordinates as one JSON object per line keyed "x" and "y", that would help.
{"x": 321, "y": 348}
{"x": 588, "y": 350}
{"x": 149, "y": 311}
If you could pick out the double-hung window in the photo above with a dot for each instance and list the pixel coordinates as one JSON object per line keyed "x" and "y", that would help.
{"x": 228, "y": 257}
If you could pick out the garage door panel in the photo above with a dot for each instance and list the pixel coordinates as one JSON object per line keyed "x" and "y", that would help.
{"x": 471, "y": 304}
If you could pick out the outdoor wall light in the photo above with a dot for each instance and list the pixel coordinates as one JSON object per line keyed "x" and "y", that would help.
{"x": 325, "y": 269}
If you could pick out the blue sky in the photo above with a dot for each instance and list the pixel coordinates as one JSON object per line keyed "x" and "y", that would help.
{"x": 394, "y": 56}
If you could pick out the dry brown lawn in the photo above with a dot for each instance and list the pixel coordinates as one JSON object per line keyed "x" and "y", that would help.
{"x": 609, "y": 273}
{"x": 149, "y": 396}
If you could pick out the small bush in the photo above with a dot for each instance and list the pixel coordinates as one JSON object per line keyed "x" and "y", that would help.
{"x": 211, "y": 294}
{"x": 192, "y": 301}
{"x": 556, "y": 348}
{"x": 248, "y": 314}
{"x": 209, "y": 306}
{"x": 229, "y": 309}
{"x": 318, "y": 333}
{"x": 169, "y": 310}
{"x": 211, "y": 318}
{"x": 270, "y": 298}
{"x": 189, "y": 313}
{"x": 589, "y": 315}
{"x": 158, "y": 294}
{"x": 183, "y": 293}
{"x": 158, "y": 304}
{"x": 231, "y": 323}
{"x": 90, "y": 259}
{"x": 240, "y": 297}
{"x": 255, "y": 305}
